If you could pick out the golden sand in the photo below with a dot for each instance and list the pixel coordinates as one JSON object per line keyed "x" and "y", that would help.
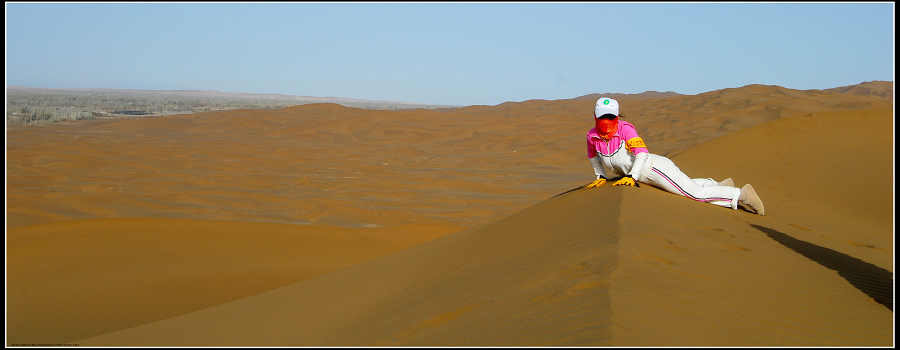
{"x": 320, "y": 225}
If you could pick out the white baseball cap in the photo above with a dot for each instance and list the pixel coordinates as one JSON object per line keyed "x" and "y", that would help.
{"x": 606, "y": 105}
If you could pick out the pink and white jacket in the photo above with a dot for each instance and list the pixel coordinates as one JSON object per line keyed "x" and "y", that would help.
{"x": 624, "y": 153}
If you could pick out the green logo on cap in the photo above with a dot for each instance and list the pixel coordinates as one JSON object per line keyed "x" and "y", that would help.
{"x": 606, "y": 102}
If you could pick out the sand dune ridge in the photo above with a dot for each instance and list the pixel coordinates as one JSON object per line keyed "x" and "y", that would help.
{"x": 326, "y": 225}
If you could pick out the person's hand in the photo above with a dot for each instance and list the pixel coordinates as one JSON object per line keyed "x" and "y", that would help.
{"x": 597, "y": 183}
{"x": 627, "y": 181}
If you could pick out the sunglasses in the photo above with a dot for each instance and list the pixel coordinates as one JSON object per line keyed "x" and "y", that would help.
{"x": 608, "y": 116}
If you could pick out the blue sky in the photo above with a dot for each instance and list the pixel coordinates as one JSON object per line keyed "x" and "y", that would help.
{"x": 448, "y": 53}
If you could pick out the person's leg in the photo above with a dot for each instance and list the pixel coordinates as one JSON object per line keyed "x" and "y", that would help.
{"x": 667, "y": 176}
{"x": 710, "y": 182}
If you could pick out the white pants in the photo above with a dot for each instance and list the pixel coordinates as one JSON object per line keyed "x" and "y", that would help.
{"x": 666, "y": 175}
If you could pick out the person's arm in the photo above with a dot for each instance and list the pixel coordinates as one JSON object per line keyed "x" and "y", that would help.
{"x": 635, "y": 145}
{"x": 640, "y": 160}
{"x": 597, "y": 164}
{"x": 598, "y": 167}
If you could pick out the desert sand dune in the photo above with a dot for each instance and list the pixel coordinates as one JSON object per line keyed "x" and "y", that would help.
{"x": 304, "y": 164}
{"x": 808, "y": 169}
{"x": 607, "y": 266}
{"x": 79, "y": 278}
{"x": 305, "y": 226}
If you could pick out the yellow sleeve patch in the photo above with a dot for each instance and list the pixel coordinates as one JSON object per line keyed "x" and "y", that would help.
{"x": 635, "y": 143}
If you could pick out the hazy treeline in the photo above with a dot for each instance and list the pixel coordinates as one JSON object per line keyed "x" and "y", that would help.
{"x": 38, "y": 105}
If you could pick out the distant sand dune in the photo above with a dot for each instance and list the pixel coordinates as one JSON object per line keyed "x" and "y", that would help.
{"x": 254, "y": 165}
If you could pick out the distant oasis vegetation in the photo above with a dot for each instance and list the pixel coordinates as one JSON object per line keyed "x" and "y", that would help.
{"x": 29, "y": 106}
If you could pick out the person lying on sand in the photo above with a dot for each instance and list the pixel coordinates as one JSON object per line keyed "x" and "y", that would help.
{"x": 615, "y": 144}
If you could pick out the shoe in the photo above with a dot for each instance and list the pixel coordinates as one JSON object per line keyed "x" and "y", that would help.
{"x": 751, "y": 201}
{"x": 727, "y": 182}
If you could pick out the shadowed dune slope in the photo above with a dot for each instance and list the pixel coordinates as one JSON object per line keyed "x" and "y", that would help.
{"x": 614, "y": 266}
